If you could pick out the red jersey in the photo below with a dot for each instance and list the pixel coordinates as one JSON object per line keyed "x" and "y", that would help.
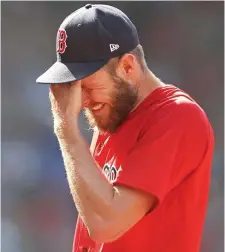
{"x": 165, "y": 147}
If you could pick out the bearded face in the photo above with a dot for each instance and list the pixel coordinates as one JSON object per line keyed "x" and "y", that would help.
{"x": 109, "y": 116}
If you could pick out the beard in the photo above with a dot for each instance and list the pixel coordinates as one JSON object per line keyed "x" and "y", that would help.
{"x": 124, "y": 98}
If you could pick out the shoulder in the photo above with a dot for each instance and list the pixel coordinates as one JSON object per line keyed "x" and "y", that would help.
{"x": 176, "y": 110}
{"x": 177, "y": 104}
{"x": 183, "y": 109}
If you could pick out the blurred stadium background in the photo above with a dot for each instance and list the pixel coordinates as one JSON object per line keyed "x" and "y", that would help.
{"x": 184, "y": 45}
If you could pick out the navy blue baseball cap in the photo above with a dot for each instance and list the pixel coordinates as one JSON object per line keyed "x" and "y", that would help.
{"x": 87, "y": 39}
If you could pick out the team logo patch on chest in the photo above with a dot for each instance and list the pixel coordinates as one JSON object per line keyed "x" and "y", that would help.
{"x": 111, "y": 172}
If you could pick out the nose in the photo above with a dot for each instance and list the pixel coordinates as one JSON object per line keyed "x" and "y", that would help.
{"x": 86, "y": 99}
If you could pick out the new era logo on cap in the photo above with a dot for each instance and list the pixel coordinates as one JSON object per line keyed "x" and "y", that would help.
{"x": 114, "y": 47}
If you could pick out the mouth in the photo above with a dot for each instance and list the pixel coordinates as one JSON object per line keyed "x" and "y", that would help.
{"x": 97, "y": 107}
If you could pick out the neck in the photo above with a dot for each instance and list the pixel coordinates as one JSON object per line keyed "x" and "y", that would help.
{"x": 147, "y": 83}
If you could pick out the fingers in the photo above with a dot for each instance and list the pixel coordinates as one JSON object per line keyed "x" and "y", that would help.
{"x": 76, "y": 84}
{"x": 66, "y": 99}
{"x": 62, "y": 92}
{"x": 76, "y": 89}
{"x": 57, "y": 89}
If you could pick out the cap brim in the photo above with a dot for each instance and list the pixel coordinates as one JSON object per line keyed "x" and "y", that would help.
{"x": 60, "y": 72}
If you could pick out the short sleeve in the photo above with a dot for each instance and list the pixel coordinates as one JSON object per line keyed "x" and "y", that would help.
{"x": 167, "y": 151}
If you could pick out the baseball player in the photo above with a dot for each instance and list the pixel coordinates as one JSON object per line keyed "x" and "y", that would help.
{"x": 143, "y": 184}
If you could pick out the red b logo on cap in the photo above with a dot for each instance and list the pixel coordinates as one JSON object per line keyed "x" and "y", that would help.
{"x": 62, "y": 36}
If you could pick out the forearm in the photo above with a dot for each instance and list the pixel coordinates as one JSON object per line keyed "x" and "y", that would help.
{"x": 91, "y": 192}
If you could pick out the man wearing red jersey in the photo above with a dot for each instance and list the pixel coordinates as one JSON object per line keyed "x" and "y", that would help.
{"x": 143, "y": 185}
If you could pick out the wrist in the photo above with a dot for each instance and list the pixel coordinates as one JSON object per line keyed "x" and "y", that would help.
{"x": 66, "y": 129}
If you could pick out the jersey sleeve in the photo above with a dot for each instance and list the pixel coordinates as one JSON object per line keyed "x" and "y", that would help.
{"x": 167, "y": 152}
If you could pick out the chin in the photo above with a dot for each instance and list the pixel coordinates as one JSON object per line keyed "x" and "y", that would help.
{"x": 109, "y": 127}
